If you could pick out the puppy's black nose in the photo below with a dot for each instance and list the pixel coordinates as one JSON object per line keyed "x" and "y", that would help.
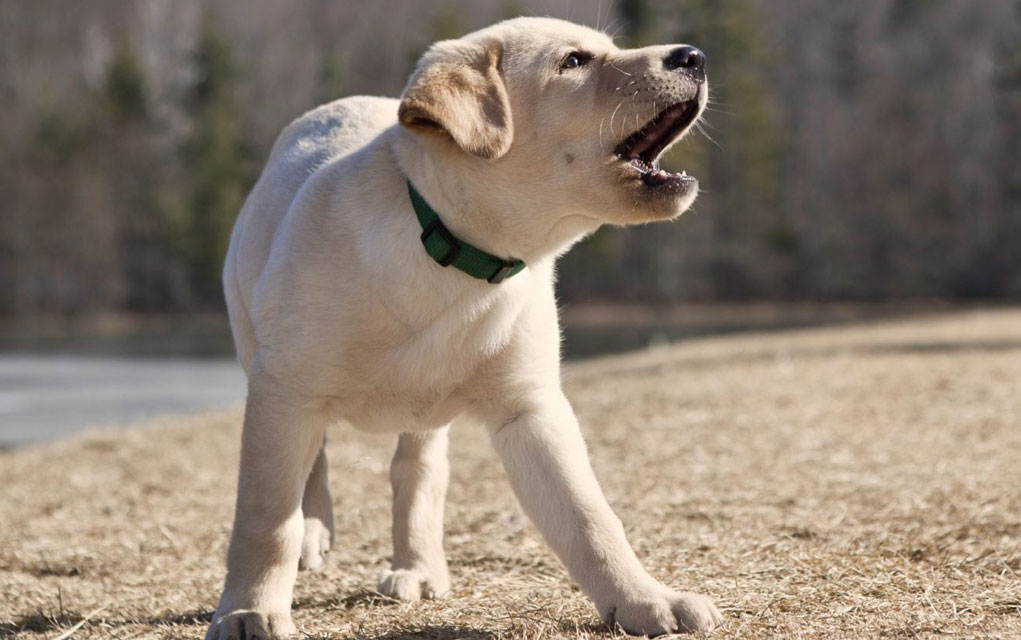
{"x": 687, "y": 58}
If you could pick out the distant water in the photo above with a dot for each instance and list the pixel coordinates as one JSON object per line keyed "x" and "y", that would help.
{"x": 47, "y": 396}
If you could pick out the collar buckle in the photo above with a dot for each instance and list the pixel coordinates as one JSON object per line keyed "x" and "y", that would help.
{"x": 446, "y": 258}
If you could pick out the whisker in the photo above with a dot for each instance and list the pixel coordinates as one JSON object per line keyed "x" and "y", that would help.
{"x": 698, "y": 126}
{"x": 621, "y": 70}
{"x": 633, "y": 103}
{"x": 705, "y": 123}
{"x": 613, "y": 114}
{"x": 711, "y": 100}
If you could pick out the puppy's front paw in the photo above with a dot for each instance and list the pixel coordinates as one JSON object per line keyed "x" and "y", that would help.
{"x": 694, "y": 612}
{"x": 411, "y": 585}
{"x": 664, "y": 612}
{"x": 252, "y": 625}
{"x": 314, "y": 545}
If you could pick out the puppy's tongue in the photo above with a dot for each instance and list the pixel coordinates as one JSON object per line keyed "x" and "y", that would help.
{"x": 658, "y": 177}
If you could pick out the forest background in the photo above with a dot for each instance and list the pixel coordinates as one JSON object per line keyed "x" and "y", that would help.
{"x": 863, "y": 151}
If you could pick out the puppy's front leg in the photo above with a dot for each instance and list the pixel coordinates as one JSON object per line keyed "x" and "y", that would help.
{"x": 281, "y": 438}
{"x": 418, "y": 474}
{"x": 548, "y": 466}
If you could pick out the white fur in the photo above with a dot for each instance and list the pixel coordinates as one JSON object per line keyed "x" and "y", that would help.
{"x": 339, "y": 314}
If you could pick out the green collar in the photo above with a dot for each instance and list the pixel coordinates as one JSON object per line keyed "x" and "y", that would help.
{"x": 449, "y": 251}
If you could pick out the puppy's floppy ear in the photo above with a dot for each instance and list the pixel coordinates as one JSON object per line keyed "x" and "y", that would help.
{"x": 458, "y": 88}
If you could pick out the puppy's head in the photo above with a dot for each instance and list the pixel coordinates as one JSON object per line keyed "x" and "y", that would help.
{"x": 558, "y": 112}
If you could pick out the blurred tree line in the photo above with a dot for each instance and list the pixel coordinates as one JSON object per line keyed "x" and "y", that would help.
{"x": 863, "y": 150}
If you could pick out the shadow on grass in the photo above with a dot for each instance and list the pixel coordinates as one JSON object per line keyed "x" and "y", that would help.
{"x": 171, "y": 624}
{"x": 448, "y": 632}
{"x": 436, "y": 632}
{"x": 991, "y": 346}
{"x": 8, "y": 629}
{"x": 812, "y": 352}
{"x": 40, "y": 623}
{"x": 362, "y": 597}
{"x": 371, "y": 598}
{"x": 189, "y": 617}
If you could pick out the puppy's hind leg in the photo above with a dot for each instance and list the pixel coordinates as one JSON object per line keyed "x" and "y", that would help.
{"x": 418, "y": 474}
{"x": 317, "y": 508}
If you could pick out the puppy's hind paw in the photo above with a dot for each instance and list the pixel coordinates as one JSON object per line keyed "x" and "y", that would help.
{"x": 315, "y": 545}
{"x": 411, "y": 585}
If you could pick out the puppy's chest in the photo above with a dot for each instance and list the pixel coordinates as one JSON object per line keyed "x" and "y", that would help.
{"x": 413, "y": 392}
{"x": 410, "y": 378}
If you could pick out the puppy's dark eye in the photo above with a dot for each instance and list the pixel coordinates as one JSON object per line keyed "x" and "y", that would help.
{"x": 575, "y": 60}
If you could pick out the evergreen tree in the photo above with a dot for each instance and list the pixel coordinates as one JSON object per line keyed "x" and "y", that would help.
{"x": 637, "y": 18}
{"x": 216, "y": 161}
{"x": 742, "y": 168}
{"x": 135, "y": 171}
{"x": 126, "y": 91}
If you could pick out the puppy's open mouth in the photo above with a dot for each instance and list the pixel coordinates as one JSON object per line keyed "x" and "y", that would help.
{"x": 643, "y": 147}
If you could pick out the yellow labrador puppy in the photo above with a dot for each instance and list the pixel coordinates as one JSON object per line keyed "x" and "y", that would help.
{"x": 393, "y": 268}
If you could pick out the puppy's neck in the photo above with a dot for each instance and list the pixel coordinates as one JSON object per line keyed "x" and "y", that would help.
{"x": 480, "y": 201}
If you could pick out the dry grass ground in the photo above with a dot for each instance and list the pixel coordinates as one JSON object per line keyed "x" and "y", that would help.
{"x": 852, "y": 482}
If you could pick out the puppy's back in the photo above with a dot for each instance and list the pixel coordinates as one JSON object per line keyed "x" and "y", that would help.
{"x": 320, "y": 136}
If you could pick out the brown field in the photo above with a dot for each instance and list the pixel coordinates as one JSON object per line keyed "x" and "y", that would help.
{"x": 852, "y": 482}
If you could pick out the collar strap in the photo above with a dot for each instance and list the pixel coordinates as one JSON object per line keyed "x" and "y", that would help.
{"x": 450, "y": 251}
